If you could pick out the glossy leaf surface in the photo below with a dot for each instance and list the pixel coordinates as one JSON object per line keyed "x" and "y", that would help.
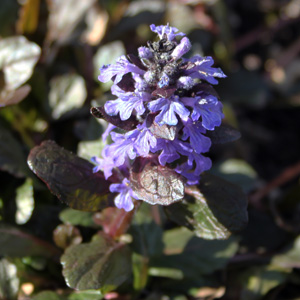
{"x": 101, "y": 264}
{"x": 70, "y": 177}
{"x": 214, "y": 209}
{"x": 156, "y": 184}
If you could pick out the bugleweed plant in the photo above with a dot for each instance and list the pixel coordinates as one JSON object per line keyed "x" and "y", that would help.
{"x": 165, "y": 118}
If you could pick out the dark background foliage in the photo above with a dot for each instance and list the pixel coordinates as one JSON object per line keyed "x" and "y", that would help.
{"x": 50, "y": 53}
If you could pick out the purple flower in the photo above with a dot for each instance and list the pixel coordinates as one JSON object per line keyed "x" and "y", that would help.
{"x": 171, "y": 150}
{"x": 202, "y": 163}
{"x": 106, "y": 164}
{"x": 185, "y": 82}
{"x": 208, "y": 108}
{"x": 168, "y": 107}
{"x": 123, "y": 147}
{"x": 126, "y": 103}
{"x": 171, "y": 32}
{"x": 145, "y": 53}
{"x": 193, "y": 130}
{"x": 144, "y": 141}
{"x": 107, "y": 131}
{"x": 202, "y": 69}
{"x": 183, "y": 47}
{"x": 124, "y": 199}
{"x": 122, "y": 67}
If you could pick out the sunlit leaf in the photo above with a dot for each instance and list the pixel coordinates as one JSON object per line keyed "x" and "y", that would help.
{"x": 101, "y": 264}
{"x": 64, "y": 16}
{"x": 9, "y": 281}
{"x": 18, "y": 56}
{"x": 213, "y": 210}
{"x": 17, "y": 243}
{"x": 12, "y": 158}
{"x": 70, "y": 177}
{"x": 156, "y": 184}
{"x": 24, "y": 202}
{"x": 67, "y": 92}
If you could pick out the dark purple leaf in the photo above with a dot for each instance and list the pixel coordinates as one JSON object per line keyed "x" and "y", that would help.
{"x": 70, "y": 177}
{"x": 166, "y": 92}
{"x": 223, "y": 134}
{"x": 206, "y": 88}
{"x": 156, "y": 184}
{"x": 127, "y": 83}
{"x": 99, "y": 112}
{"x": 136, "y": 61}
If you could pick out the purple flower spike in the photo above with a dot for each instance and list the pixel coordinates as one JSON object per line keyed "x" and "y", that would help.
{"x": 122, "y": 67}
{"x": 181, "y": 49}
{"x": 124, "y": 199}
{"x": 171, "y": 32}
{"x": 168, "y": 107}
{"x": 202, "y": 69}
{"x": 193, "y": 130}
{"x": 171, "y": 104}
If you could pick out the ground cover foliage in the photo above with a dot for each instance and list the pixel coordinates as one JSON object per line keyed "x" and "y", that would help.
{"x": 61, "y": 236}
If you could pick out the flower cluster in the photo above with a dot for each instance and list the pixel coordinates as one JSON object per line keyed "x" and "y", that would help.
{"x": 172, "y": 103}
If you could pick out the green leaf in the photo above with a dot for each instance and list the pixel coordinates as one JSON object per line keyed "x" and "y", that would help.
{"x": 9, "y": 282}
{"x": 214, "y": 209}
{"x": 192, "y": 255}
{"x": 17, "y": 243}
{"x": 66, "y": 235}
{"x": 18, "y": 57}
{"x": 67, "y": 92}
{"x": 101, "y": 264}
{"x": 70, "y": 177}
{"x": 48, "y": 295}
{"x": 24, "y": 202}
{"x": 12, "y": 159}
{"x": 258, "y": 281}
{"x": 77, "y": 217}
{"x": 86, "y": 295}
{"x": 289, "y": 259}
